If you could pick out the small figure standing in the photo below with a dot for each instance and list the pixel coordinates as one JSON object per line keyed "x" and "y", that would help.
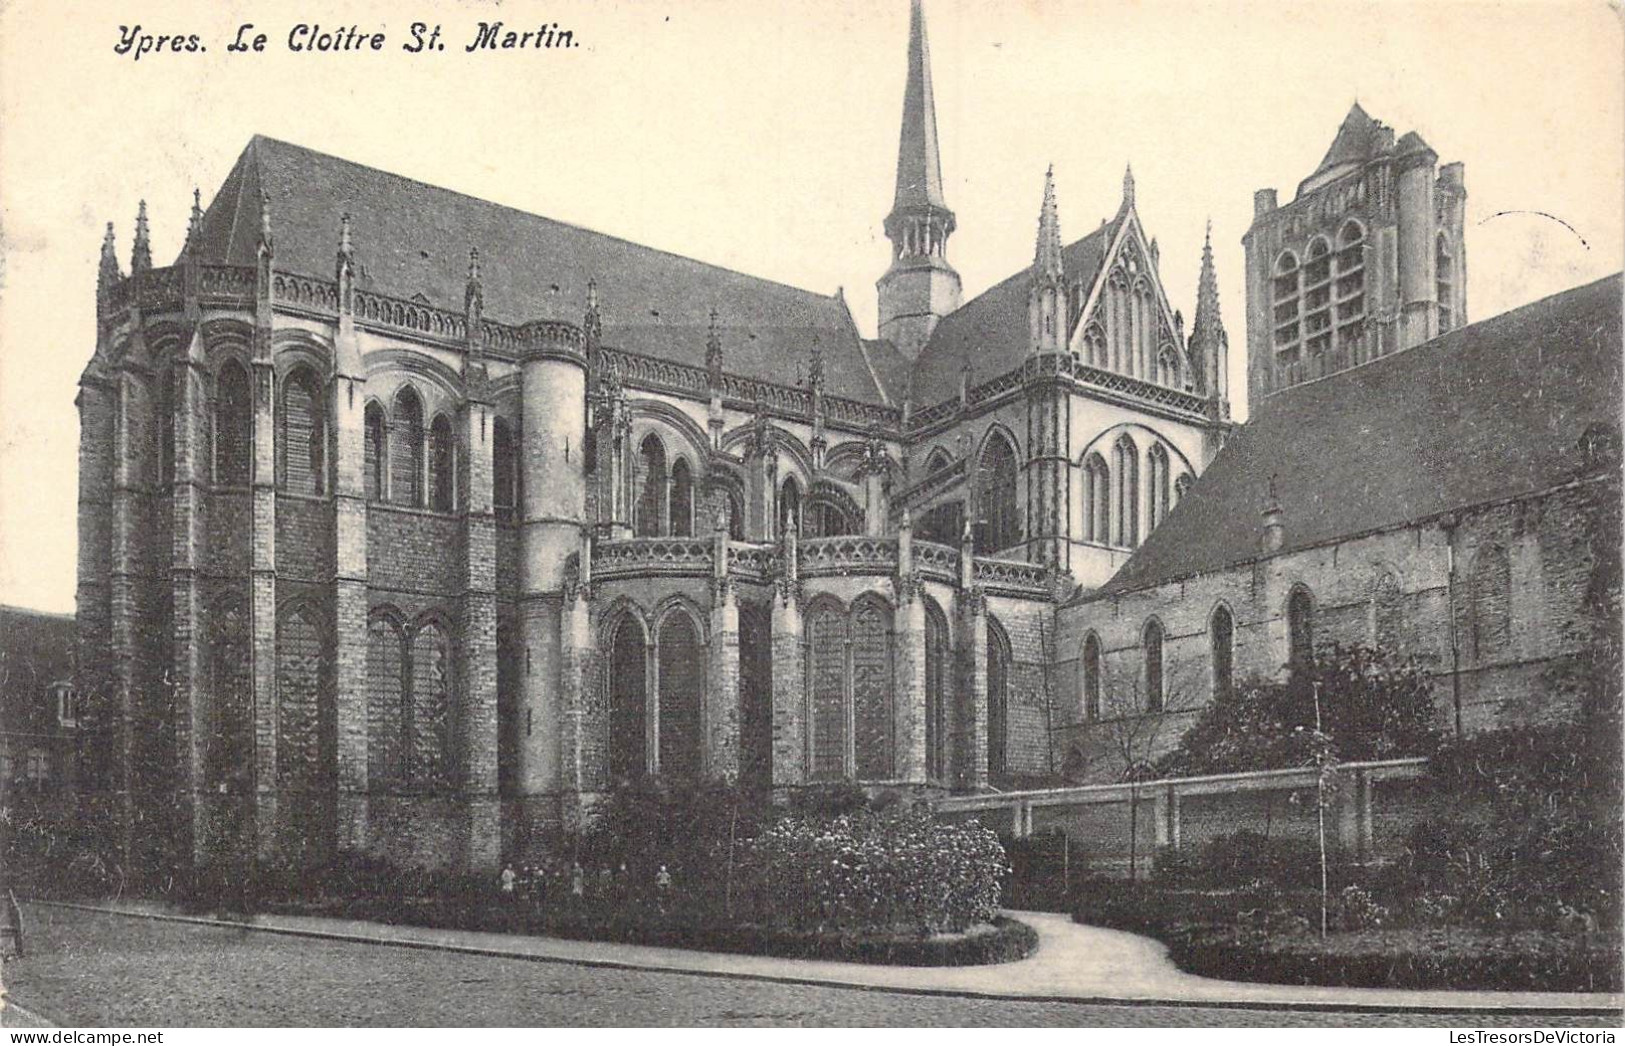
{"x": 663, "y": 888}
{"x": 508, "y": 878}
{"x": 578, "y": 881}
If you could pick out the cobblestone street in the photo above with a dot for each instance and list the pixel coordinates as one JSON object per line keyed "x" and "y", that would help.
{"x": 87, "y": 969}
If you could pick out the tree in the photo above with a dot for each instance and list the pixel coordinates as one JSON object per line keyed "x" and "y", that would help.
{"x": 1373, "y": 706}
{"x": 1131, "y": 730}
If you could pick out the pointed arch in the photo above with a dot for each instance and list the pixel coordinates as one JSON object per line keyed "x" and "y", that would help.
{"x": 1091, "y": 677}
{"x": 429, "y": 733}
{"x": 1158, "y": 484}
{"x": 682, "y": 498}
{"x": 755, "y": 695}
{"x": 302, "y": 434}
{"x": 870, "y": 636}
{"x": 1126, "y": 492}
{"x": 826, "y": 638}
{"x": 306, "y": 739}
{"x": 1387, "y": 612}
{"x": 998, "y": 698}
{"x": 937, "y": 460}
{"x": 504, "y": 469}
{"x": 997, "y": 501}
{"x": 680, "y": 670}
{"x": 1300, "y": 624}
{"x": 406, "y": 448}
{"x": 628, "y": 720}
{"x": 1221, "y": 631}
{"x": 386, "y": 697}
{"x": 1097, "y": 500}
{"x": 789, "y": 514}
{"x": 1151, "y": 645}
{"x": 230, "y": 746}
{"x": 937, "y": 696}
{"x": 442, "y": 466}
{"x": 233, "y": 425}
{"x": 375, "y": 451}
{"x": 649, "y": 519}
{"x": 164, "y": 431}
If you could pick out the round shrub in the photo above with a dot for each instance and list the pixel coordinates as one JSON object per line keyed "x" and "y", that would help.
{"x": 875, "y": 873}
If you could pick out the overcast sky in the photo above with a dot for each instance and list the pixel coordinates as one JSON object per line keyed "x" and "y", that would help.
{"x": 763, "y": 137}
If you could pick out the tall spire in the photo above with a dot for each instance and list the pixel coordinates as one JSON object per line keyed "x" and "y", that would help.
{"x": 108, "y": 273}
{"x": 919, "y": 164}
{"x": 1047, "y": 257}
{"x": 1207, "y": 319}
{"x": 141, "y": 252}
{"x": 920, "y": 287}
{"x": 1128, "y": 186}
{"x": 194, "y": 226}
{"x": 1209, "y": 345}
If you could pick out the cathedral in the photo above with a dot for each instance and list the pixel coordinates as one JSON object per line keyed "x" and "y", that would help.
{"x": 410, "y": 524}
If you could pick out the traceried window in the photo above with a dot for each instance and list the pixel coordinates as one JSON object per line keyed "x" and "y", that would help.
{"x": 851, "y": 689}
{"x": 386, "y": 690}
{"x": 302, "y": 435}
{"x": 996, "y": 495}
{"x": 504, "y": 468}
{"x": 1317, "y": 297}
{"x": 998, "y": 699}
{"x": 1285, "y": 299}
{"x": 1222, "y": 638}
{"x": 1300, "y": 624}
{"x": 1387, "y": 613}
{"x": 1097, "y": 500}
{"x": 376, "y": 452}
{"x": 1157, "y": 476}
{"x": 682, "y": 499}
{"x": 442, "y": 466}
{"x": 1126, "y": 477}
{"x": 681, "y": 671}
{"x": 937, "y": 695}
{"x": 233, "y": 426}
{"x": 406, "y": 450}
{"x": 428, "y": 748}
{"x": 649, "y": 519}
{"x": 1349, "y": 292}
{"x": 790, "y": 506}
{"x": 1152, "y": 646}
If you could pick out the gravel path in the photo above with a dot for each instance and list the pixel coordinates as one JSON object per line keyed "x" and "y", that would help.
{"x": 87, "y": 969}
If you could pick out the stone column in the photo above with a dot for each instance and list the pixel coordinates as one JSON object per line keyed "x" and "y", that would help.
{"x": 478, "y": 693}
{"x": 722, "y": 694}
{"x": 130, "y": 554}
{"x": 191, "y": 697}
{"x": 908, "y": 706}
{"x": 262, "y": 555}
{"x": 789, "y": 691}
{"x": 98, "y": 407}
{"x": 347, "y": 418}
{"x": 973, "y": 689}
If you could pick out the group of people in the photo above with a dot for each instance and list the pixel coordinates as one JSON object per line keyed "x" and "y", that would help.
{"x": 530, "y": 880}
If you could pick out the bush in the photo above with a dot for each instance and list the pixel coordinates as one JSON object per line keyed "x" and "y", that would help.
{"x": 1239, "y": 858}
{"x": 876, "y": 873}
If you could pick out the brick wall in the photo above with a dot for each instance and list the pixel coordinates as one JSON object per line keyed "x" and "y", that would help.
{"x": 414, "y": 551}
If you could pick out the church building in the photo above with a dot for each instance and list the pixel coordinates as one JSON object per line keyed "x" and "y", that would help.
{"x": 410, "y": 524}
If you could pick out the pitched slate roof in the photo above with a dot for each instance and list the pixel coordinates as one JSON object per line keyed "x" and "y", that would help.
{"x": 1490, "y": 411}
{"x": 992, "y": 330}
{"x": 412, "y": 240}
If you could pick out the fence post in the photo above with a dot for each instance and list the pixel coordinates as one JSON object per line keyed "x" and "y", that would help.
{"x": 1161, "y": 815}
{"x": 1173, "y": 817}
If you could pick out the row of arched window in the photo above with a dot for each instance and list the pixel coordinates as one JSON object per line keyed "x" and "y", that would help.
{"x": 411, "y": 682}
{"x": 406, "y": 464}
{"x": 1112, "y": 494}
{"x": 1127, "y": 335}
{"x": 657, "y": 680}
{"x": 1318, "y": 301}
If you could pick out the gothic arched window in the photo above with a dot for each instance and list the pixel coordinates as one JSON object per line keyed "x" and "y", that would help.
{"x": 996, "y": 494}
{"x": 230, "y": 747}
{"x": 681, "y": 671}
{"x": 649, "y": 519}
{"x": 1285, "y": 298}
{"x": 165, "y": 429}
{"x": 1168, "y": 367}
{"x": 300, "y": 744}
{"x": 790, "y": 506}
{"x": 871, "y": 643}
{"x": 1387, "y": 613}
{"x": 233, "y": 426}
{"x": 628, "y": 700}
{"x": 1160, "y": 486}
{"x": 1097, "y": 500}
{"x": 998, "y": 699}
{"x": 682, "y": 499}
{"x": 1300, "y": 625}
{"x": 826, "y": 691}
{"x": 1152, "y": 646}
{"x": 1091, "y": 677}
{"x": 1126, "y": 473}
{"x": 386, "y": 691}
{"x": 937, "y": 461}
{"x": 1094, "y": 346}
{"x": 504, "y": 469}
{"x": 1489, "y": 602}
{"x": 406, "y": 449}
{"x": 1317, "y": 297}
{"x": 428, "y": 752}
{"x": 937, "y": 696}
{"x": 302, "y": 435}
{"x": 1221, "y": 629}
{"x": 442, "y": 466}
{"x": 375, "y": 452}
{"x": 1350, "y": 288}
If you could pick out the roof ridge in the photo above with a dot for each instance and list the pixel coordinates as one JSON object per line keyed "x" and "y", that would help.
{"x": 534, "y": 215}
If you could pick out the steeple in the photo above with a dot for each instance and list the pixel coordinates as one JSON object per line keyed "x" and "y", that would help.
{"x": 141, "y": 252}
{"x": 1046, "y": 301}
{"x": 108, "y": 273}
{"x": 1209, "y": 345}
{"x": 920, "y": 287}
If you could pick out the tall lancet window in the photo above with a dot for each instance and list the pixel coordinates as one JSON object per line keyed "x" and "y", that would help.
{"x": 1126, "y": 473}
{"x": 233, "y": 426}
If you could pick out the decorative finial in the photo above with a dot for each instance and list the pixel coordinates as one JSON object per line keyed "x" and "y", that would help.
{"x": 1128, "y": 183}
{"x": 713, "y": 351}
{"x": 108, "y": 273}
{"x": 473, "y": 265}
{"x": 1207, "y": 237}
{"x": 592, "y": 295}
{"x": 141, "y": 252}
{"x": 194, "y": 226}
{"x": 344, "y": 235}
{"x": 265, "y": 218}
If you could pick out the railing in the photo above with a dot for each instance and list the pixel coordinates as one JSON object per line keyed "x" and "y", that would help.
{"x": 752, "y": 561}
{"x": 1143, "y": 390}
{"x": 637, "y": 557}
{"x": 936, "y": 562}
{"x": 840, "y": 556}
{"x": 1008, "y": 577}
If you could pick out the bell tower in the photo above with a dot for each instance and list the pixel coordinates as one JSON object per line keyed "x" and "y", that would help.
{"x": 920, "y": 287}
